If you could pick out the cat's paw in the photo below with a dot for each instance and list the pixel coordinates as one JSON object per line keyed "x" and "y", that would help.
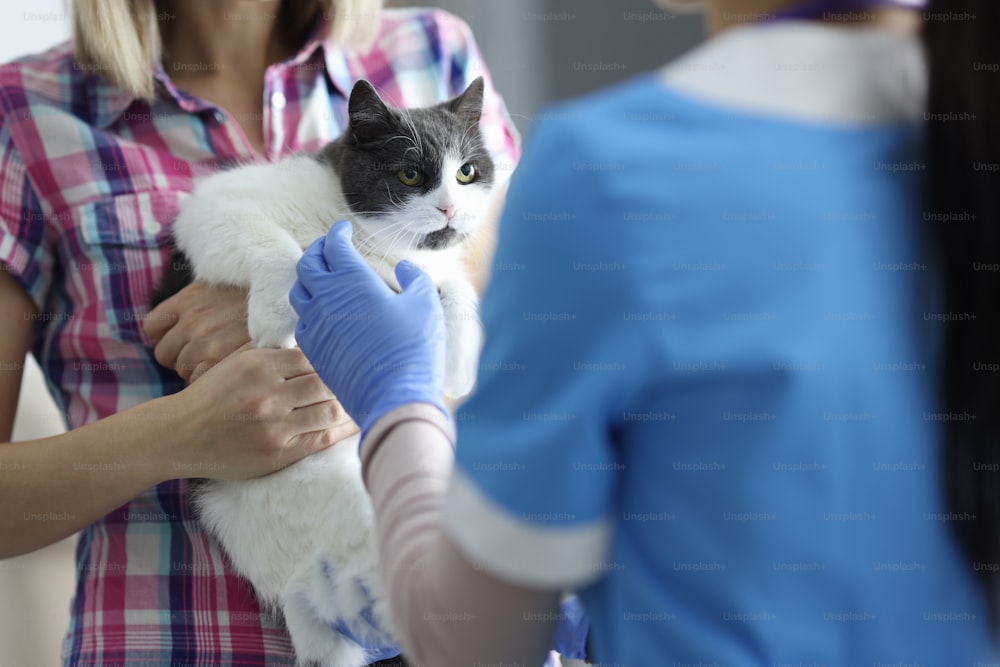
{"x": 271, "y": 322}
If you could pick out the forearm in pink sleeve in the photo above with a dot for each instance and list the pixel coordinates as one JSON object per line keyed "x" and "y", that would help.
{"x": 447, "y": 611}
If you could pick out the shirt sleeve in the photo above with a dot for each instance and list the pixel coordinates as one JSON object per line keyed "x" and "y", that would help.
{"x": 462, "y": 63}
{"x": 406, "y": 459}
{"x": 25, "y": 249}
{"x": 531, "y": 497}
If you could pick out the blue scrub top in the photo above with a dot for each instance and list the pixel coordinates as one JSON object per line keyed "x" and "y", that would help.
{"x": 707, "y": 398}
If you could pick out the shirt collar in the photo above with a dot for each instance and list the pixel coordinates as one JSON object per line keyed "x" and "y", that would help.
{"x": 110, "y": 101}
{"x": 107, "y": 102}
{"x": 335, "y": 64}
{"x": 337, "y": 70}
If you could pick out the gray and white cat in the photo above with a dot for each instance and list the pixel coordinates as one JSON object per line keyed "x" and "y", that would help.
{"x": 415, "y": 184}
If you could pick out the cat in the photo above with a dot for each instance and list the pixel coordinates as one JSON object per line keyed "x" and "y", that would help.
{"x": 415, "y": 184}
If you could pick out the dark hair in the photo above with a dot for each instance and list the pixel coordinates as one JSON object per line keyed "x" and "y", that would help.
{"x": 963, "y": 51}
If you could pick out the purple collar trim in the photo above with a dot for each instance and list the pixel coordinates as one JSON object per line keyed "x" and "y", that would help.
{"x": 815, "y": 9}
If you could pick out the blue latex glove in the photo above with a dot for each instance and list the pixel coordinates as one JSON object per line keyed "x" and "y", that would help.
{"x": 363, "y": 630}
{"x": 375, "y": 649}
{"x": 570, "y": 640}
{"x": 571, "y": 635}
{"x": 375, "y": 349}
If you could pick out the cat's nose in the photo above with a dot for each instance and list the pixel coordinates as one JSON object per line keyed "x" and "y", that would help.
{"x": 448, "y": 212}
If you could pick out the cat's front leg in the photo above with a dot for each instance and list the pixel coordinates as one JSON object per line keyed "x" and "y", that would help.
{"x": 270, "y": 318}
{"x": 233, "y": 240}
{"x": 464, "y": 336}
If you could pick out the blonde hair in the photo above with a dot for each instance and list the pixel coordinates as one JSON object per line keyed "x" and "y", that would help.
{"x": 121, "y": 38}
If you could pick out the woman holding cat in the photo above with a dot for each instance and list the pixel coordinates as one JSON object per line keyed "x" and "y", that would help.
{"x": 714, "y": 400}
{"x": 98, "y": 145}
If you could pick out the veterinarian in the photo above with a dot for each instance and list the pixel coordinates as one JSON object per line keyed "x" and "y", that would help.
{"x": 98, "y": 145}
{"x": 739, "y": 386}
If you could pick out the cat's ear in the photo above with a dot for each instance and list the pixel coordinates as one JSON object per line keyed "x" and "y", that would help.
{"x": 369, "y": 115}
{"x": 469, "y": 105}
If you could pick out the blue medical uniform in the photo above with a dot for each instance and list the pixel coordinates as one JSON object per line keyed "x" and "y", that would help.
{"x": 707, "y": 400}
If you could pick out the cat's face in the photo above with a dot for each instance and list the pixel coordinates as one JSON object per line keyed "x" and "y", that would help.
{"x": 417, "y": 178}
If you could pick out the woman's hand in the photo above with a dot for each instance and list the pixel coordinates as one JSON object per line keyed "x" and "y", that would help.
{"x": 376, "y": 349}
{"x": 255, "y": 412}
{"x": 198, "y": 327}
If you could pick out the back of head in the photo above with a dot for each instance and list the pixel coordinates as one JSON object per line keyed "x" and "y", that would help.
{"x": 963, "y": 220}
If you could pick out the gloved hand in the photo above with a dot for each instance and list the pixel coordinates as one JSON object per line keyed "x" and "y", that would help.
{"x": 359, "y": 625}
{"x": 375, "y": 349}
{"x": 574, "y": 626}
{"x": 377, "y": 645}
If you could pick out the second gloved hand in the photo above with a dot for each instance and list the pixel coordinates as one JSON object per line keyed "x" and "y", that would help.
{"x": 375, "y": 349}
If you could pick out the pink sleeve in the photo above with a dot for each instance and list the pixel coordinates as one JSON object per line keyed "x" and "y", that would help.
{"x": 26, "y": 245}
{"x": 447, "y": 610}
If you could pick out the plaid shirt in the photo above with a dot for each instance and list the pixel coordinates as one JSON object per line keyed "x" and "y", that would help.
{"x": 90, "y": 182}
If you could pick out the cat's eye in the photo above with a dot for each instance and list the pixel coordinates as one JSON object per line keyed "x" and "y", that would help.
{"x": 411, "y": 176}
{"x": 466, "y": 174}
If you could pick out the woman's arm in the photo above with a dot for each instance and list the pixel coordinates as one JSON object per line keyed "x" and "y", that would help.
{"x": 46, "y": 493}
{"x": 17, "y": 312}
{"x": 454, "y": 612}
{"x": 53, "y": 487}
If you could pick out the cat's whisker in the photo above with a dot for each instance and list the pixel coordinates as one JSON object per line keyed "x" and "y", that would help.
{"x": 414, "y": 137}
{"x": 388, "y": 228}
{"x": 391, "y": 245}
{"x": 418, "y": 142}
{"x": 399, "y": 233}
{"x": 401, "y": 136}
{"x": 397, "y": 203}
{"x": 372, "y": 242}
{"x": 465, "y": 136}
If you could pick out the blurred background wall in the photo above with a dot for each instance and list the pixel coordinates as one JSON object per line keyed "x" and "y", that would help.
{"x": 538, "y": 51}
{"x": 541, "y": 51}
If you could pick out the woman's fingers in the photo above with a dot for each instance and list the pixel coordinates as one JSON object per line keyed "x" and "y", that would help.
{"x": 201, "y": 323}
{"x": 169, "y": 347}
{"x": 203, "y": 366}
{"x": 306, "y": 444}
{"x": 160, "y": 320}
{"x": 257, "y": 411}
{"x": 319, "y": 417}
{"x": 210, "y": 352}
{"x": 199, "y": 370}
{"x": 306, "y": 390}
{"x": 287, "y": 363}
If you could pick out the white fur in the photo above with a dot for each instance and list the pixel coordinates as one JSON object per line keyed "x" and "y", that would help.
{"x": 248, "y": 227}
{"x": 280, "y": 529}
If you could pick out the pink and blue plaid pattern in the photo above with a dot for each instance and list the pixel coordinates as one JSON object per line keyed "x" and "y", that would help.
{"x": 90, "y": 181}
